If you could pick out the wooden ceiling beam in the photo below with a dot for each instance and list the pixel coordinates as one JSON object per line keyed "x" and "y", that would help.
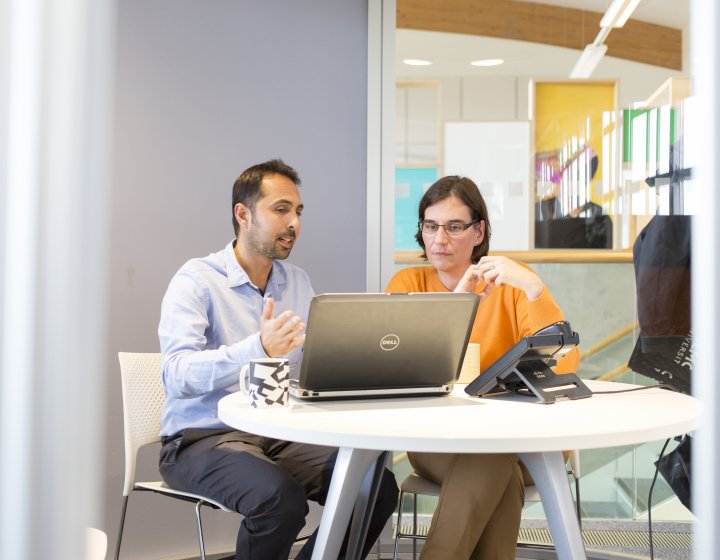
{"x": 541, "y": 23}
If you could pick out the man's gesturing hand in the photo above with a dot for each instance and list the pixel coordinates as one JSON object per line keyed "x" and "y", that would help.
{"x": 282, "y": 334}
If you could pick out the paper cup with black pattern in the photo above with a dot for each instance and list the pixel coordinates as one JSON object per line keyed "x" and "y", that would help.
{"x": 265, "y": 381}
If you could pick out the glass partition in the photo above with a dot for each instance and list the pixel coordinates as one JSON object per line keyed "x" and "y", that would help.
{"x": 627, "y": 174}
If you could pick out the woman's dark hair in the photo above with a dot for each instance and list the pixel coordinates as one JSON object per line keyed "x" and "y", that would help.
{"x": 247, "y": 188}
{"x": 467, "y": 192}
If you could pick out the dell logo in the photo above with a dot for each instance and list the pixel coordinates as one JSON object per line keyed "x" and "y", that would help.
{"x": 389, "y": 342}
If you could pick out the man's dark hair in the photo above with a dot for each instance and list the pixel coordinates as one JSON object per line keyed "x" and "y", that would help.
{"x": 247, "y": 188}
{"x": 466, "y": 191}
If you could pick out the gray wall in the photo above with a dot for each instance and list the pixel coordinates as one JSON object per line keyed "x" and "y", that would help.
{"x": 203, "y": 90}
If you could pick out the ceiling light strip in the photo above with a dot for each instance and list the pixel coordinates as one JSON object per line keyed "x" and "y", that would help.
{"x": 588, "y": 61}
{"x": 618, "y": 13}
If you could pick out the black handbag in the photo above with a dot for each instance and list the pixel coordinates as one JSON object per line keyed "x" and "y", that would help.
{"x": 675, "y": 469}
{"x": 667, "y": 359}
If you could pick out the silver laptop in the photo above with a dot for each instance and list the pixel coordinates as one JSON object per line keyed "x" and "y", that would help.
{"x": 384, "y": 345}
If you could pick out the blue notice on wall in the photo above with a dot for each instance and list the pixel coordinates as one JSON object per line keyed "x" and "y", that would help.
{"x": 410, "y": 185}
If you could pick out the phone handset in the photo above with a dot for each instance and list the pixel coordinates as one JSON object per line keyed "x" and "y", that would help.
{"x": 561, "y": 327}
{"x": 568, "y": 339}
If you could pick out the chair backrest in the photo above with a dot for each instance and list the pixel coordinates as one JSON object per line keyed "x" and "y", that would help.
{"x": 143, "y": 398}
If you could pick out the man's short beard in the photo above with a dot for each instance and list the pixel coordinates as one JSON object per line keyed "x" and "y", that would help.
{"x": 268, "y": 250}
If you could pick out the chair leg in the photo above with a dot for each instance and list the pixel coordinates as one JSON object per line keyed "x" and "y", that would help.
{"x": 415, "y": 498}
{"x": 577, "y": 500}
{"x": 201, "y": 539}
{"x": 122, "y": 524}
{"x": 414, "y": 534}
{"x": 398, "y": 525}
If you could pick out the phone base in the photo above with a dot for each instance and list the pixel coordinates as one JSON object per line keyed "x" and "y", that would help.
{"x": 536, "y": 378}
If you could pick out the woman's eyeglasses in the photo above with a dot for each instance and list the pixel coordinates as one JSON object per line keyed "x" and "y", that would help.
{"x": 451, "y": 228}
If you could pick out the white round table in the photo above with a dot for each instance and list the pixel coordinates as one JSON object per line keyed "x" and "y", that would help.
{"x": 458, "y": 423}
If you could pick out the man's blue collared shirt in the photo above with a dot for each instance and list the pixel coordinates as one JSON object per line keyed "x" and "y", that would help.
{"x": 210, "y": 327}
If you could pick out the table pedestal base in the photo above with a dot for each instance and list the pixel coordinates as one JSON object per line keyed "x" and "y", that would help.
{"x": 550, "y": 477}
{"x": 352, "y": 468}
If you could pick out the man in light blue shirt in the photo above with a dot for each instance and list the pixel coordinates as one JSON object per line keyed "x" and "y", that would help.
{"x": 218, "y": 313}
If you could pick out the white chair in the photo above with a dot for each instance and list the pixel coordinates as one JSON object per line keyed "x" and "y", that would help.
{"x": 143, "y": 398}
{"x": 416, "y": 485}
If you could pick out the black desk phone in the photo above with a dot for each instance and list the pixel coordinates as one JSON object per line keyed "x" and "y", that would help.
{"x": 525, "y": 368}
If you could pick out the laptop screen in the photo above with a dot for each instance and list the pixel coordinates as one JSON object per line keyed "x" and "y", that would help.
{"x": 376, "y": 342}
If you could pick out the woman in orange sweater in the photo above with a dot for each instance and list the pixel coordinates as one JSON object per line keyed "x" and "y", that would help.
{"x": 481, "y": 500}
